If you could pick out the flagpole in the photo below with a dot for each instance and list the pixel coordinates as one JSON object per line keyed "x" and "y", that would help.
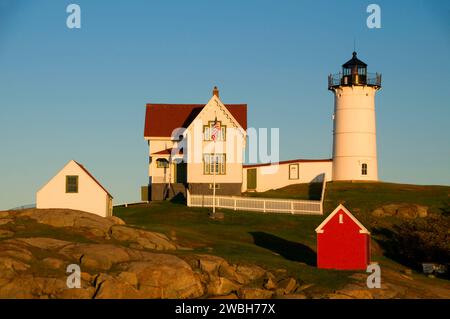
{"x": 214, "y": 178}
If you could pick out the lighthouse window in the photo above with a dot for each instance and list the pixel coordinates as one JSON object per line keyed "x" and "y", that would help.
{"x": 364, "y": 169}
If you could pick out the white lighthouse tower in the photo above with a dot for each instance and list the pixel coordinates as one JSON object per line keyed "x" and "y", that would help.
{"x": 354, "y": 127}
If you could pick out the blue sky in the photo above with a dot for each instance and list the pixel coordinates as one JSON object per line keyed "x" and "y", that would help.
{"x": 81, "y": 94}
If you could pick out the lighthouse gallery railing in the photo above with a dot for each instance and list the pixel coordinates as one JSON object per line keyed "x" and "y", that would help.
{"x": 372, "y": 79}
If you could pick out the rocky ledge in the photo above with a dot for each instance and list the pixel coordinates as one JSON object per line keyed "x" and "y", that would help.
{"x": 117, "y": 261}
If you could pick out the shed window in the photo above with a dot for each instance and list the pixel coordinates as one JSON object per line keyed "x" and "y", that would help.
{"x": 364, "y": 169}
{"x": 162, "y": 163}
{"x": 71, "y": 184}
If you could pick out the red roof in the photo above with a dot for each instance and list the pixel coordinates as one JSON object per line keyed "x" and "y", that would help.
{"x": 162, "y": 119}
{"x": 288, "y": 162}
{"x": 93, "y": 178}
{"x": 167, "y": 151}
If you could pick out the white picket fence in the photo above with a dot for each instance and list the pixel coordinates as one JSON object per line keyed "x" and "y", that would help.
{"x": 265, "y": 205}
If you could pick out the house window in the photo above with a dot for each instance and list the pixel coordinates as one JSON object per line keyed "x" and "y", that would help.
{"x": 293, "y": 171}
{"x": 71, "y": 184}
{"x": 341, "y": 219}
{"x": 214, "y": 161}
{"x": 208, "y": 129}
{"x": 363, "y": 169}
{"x": 162, "y": 163}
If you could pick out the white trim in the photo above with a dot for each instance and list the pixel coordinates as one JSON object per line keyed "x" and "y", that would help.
{"x": 159, "y": 138}
{"x": 224, "y": 109}
{"x": 362, "y": 229}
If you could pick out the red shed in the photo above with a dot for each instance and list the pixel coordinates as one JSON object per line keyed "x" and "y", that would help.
{"x": 342, "y": 242}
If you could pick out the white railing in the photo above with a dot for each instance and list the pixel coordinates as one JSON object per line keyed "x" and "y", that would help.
{"x": 265, "y": 205}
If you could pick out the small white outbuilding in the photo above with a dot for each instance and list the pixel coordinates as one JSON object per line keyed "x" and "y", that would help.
{"x": 73, "y": 187}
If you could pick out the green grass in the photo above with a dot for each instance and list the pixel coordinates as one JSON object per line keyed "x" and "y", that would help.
{"x": 267, "y": 240}
{"x": 276, "y": 240}
{"x": 368, "y": 196}
{"x": 311, "y": 191}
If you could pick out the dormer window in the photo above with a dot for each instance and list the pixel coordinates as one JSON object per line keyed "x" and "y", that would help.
{"x": 208, "y": 130}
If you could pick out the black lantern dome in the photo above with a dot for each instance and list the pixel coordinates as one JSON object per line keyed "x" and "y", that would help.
{"x": 354, "y": 72}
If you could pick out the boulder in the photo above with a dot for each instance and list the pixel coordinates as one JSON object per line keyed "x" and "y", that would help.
{"x": 109, "y": 287}
{"x": 129, "y": 278}
{"x": 96, "y": 256}
{"x": 9, "y": 249}
{"x": 166, "y": 276}
{"x": 286, "y": 286}
{"x": 212, "y": 264}
{"x": 405, "y": 211}
{"x": 254, "y": 293}
{"x": 229, "y": 271}
{"x": 422, "y": 211}
{"x": 390, "y": 209}
{"x": 250, "y": 272}
{"x": 44, "y": 243}
{"x": 8, "y": 263}
{"x": 379, "y": 212}
{"x": 116, "y": 220}
{"x": 87, "y": 277}
{"x": 76, "y": 293}
{"x": 98, "y": 225}
{"x": 144, "y": 239}
{"x": 270, "y": 283}
{"x": 26, "y": 287}
{"x": 20, "y": 287}
{"x": 219, "y": 286}
{"x": 48, "y": 286}
{"x": 53, "y": 263}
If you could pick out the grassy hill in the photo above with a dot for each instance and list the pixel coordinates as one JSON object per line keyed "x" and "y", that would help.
{"x": 278, "y": 241}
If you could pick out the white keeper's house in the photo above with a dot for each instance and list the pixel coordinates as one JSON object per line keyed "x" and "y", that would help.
{"x": 183, "y": 156}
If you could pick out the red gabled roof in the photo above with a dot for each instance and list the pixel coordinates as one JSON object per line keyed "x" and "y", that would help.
{"x": 288, "y": 162}
{"x": 341, "y": 208}
{"x": 162, "y": 119}
{"x": 93, "y": 178}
